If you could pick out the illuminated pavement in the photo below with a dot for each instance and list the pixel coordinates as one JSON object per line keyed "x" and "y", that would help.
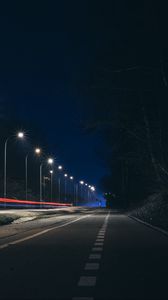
{"x": 89, "y": 254}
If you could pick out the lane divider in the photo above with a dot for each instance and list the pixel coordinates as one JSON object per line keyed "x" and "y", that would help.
{"x": 93, "y": 265}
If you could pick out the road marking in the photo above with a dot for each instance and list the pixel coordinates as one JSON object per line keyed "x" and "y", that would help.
{"x": 92, "y": 266}
{"x": 99, "y": 240}
{"x": 97, "y": 249}
{"x": 40, "y": 233}
{"x": 98, "y": 244}
{"x": 82, "y": 298}
{"x": 87, "y": 281}
{"x": 95, "y": 256}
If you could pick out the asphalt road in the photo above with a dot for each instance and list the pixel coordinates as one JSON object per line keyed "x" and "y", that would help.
{"x": 92, "y": 254}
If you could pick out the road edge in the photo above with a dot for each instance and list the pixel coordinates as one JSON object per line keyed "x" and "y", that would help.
{"x": 149, "y": 225}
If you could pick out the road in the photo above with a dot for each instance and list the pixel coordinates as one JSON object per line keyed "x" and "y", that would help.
{"x": 88, "y": 254}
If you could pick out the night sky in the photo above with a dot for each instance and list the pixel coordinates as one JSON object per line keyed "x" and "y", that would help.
{"x": 51, "y": 55}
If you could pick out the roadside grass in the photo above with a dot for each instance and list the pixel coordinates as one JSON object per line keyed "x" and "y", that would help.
{"x": 5, "y": 220}
{"x": 154, "y": 210}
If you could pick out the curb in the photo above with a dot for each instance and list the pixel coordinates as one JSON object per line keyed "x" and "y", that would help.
{"x": 149, "y": 225}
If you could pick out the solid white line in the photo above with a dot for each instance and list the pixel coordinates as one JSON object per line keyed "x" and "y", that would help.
{"x": 91, "y": 266}
{"x": 87, "y": 281}
{"x": 40, "y": 233}
{"x": 149, "y": 225}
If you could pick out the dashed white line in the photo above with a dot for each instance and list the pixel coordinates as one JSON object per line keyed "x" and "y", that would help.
{"x": 98, "y": 244}
{"x": 97, "y": 249}
{"x": 92, "y": 266}
{"x": 95, "y": 256}
{"x": 82, "y": 298}
{"x": 87, "y": 281}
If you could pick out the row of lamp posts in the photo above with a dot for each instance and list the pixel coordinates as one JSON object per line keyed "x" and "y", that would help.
{"x": 50, "y": 161}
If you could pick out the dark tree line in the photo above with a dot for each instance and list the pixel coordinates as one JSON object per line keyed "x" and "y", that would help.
{"x": 129, "y": 86}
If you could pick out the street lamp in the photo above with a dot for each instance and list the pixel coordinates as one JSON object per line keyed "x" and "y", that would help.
{"x": 59, "y": 183}
{"x": 51, "y": 173}
{"x": 81, "y": 189}
{"x": 72, "y": 189}
{"x": 37, "y": 151}
{"x": 20, "y": 135}
{"x": 50, "y": 161}
{"x": 65, "y": 175}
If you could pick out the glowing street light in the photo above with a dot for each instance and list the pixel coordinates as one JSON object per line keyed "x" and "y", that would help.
{"x": 71, "y": 177}
{"x": 82, "y": 182}
{"x": 93, "y": 188}
{"x": 50, "y": 161}
{"x": 19, "y": 135}
{"x": 65, "y": 175}
{"x": 37, "y": 151}
{"x": 60, "y": 167}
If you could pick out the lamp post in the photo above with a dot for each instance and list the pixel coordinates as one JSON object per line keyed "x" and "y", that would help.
{"x": 65, "y": 175}
{"x": 72, "y": 189}
{"x": 37, "y": 152}
{"x": 50, "y": 161}
{"x": 76, "y": 194}
{"x": 59, "y": 184}
{"x": 81, "y": 190}
{"x": 51, "y": 175}
{"x": 20, "y": 135}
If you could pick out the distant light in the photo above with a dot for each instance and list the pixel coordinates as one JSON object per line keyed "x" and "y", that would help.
{"x": 93, "y": 188}
{"x": 51, "y": 172}
{"x": 20, "y": 135}
{"x": 71, "y": 178}
{"x": 81, "y": 182}
{"x": 65, "y": 175}
{"x": 60, "y": 167}
{"x": 86, "y": 184}
{"x": 37, "y": 150}
{"x": 50, "y": 161}
{"x": 89, "y": 186}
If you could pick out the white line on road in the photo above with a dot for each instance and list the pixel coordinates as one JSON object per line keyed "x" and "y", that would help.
{"x": 97, "y": 249}
{"x": 95, "y": 256}
{"x": 40, "y": 233}
{"x": 82, "y": 298}
{"x": 98, "y": 244}
{"x": 87, "y": 281}
{"x": 91, "y": 266}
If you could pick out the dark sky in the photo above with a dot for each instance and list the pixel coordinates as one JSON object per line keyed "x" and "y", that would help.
{"x": 52, "y": 52}
{"x": 47, "y": 52}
